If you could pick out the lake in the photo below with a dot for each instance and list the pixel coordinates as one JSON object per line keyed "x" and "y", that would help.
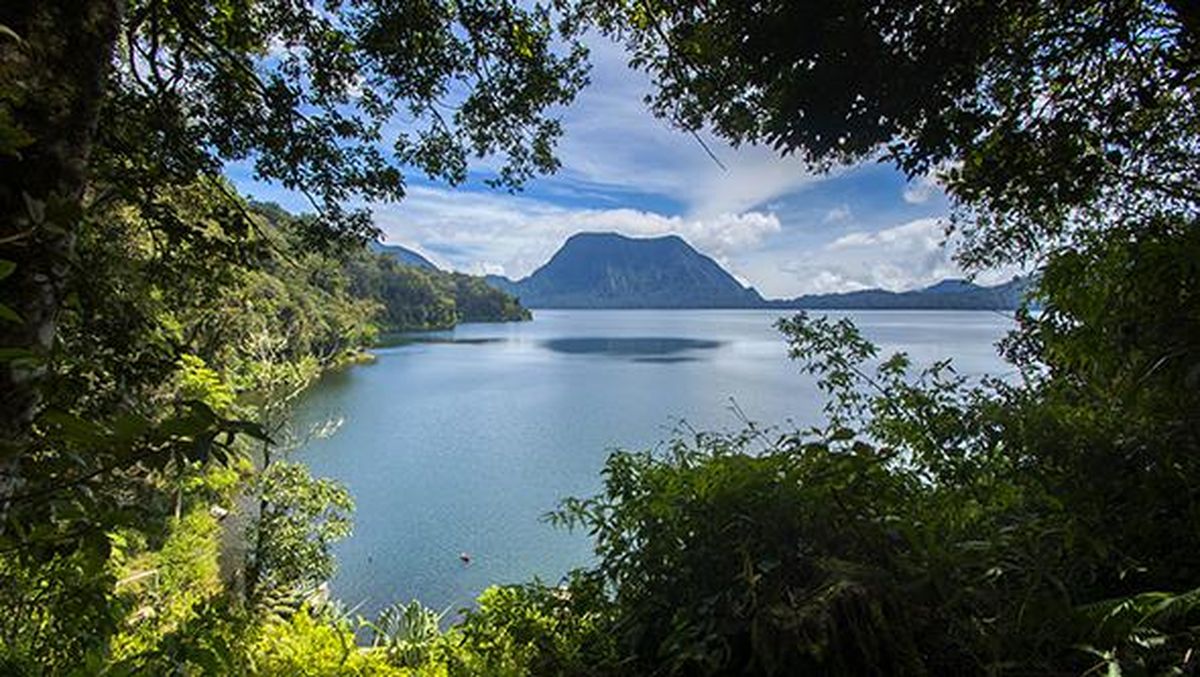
{"x": 462, "y": 441}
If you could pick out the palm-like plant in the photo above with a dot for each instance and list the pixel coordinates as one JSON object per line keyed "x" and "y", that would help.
{"x": 406, "y": 632}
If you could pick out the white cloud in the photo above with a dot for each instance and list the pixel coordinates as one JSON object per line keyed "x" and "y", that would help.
{"x": 497, "y": 233}
{"x": 921, "y": 189}
{"x": 486, "y": 233}
{"x": 769, "y": 220}
{"x": 898, "y": 258}
{"x": 613, "y": 142}
{"x": 838, "y": 214}
{"x": 908, "y": 256}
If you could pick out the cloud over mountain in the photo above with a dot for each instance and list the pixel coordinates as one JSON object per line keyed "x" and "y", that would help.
{"x": 493, "y": 233}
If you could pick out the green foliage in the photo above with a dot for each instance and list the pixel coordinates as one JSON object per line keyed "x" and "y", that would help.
{"x": 477, "y": 301}
{"x": 150, "y": 297}
{"x": 163, "y": 587}
{"x": 307, "y": 95}
{"x": 165, "y": 353}
{"x": 12, "y": 137}
{"x": 212, "y": 640}
{"x": 1152, "y": 633}
{"x": 6, "y": 268}
{"x": 57, "y": 608}
{"x": 747, "y": 554}
{"x": 414, "y": 298}
{"x": 1044, "y": 120}
{"x": 300, "y": 519}
{"x": 407, "y": 633}
{"x": 533, "y": 630}
{"x": 1043, "y": 524}
{"x": 198, "y": 382}
{"x": 312, "y": 645}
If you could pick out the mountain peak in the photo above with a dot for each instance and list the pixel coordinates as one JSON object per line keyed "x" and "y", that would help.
{"x": 402, "y": 255}
{"x": 951, "y": 285}
{"x": 594, "y": 236}
{"x": 611, "y": 270}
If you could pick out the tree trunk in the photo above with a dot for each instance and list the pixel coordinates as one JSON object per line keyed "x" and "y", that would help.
{"x": 52, "y": 82}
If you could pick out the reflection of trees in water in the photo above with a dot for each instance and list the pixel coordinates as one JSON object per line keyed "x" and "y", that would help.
{"x": 403, "y": 339}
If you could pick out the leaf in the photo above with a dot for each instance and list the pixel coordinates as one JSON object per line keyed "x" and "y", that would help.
{"x": 6, "y": 268}
{"x": 196, "y": 418}
{"x": 13, "y": 354}
{"x": 74, "y": 428}
{"x": 129, "y": 427}
{"x": 250, "y": 428}
{"x": 9, "y": 314}
{"x": 842, "y": 434}
{"x": 35, "y": 209}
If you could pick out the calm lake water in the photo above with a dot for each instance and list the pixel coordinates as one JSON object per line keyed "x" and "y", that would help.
{"x": 462, "y": 445}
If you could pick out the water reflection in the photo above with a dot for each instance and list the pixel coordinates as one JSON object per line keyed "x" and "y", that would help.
{"x": 642, "y": 349}
{"x": 394, "y": 340}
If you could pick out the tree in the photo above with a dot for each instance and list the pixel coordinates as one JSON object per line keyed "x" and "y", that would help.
{"x": 1042, "y": 118}
{"x": 53, "y": 63}
{"x": 109, "y": 100}
{"x": 1043, "y": 526}
{"x": 300, "y": 519}
{"x": 158, "y": 347}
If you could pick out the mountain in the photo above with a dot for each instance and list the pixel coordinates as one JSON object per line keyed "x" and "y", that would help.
{"x": 951, "y": 294}
{"x": 403, "y": 255}
{"x": 416, "y": 297}
{"x": 952, "y": 285}
{"x": 607, "y": 270}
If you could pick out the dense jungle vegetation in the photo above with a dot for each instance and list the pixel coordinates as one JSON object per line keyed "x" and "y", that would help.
{"x": 154, "y": 329}
{"x": 410, "y": 298}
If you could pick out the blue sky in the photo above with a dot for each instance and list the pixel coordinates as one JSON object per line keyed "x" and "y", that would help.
{"x": 768, "y": 220}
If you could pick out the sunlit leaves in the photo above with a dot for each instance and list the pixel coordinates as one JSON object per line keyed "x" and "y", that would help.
{"x": 562, "y": 630}
{"x": 198, "y": 382}
{"x": 301, "y": 518}
{"x": 406, "y": 632}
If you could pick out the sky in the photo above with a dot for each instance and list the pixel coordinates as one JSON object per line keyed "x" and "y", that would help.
{"x": 768, "y": 220}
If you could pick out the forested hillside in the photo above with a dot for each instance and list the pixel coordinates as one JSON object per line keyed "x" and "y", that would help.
{"x": 411, "y": 295}
{"x": 155, "y": 328}
{"x": 194, "y": 354}
{"x": 416, "y": 298}
{"x": 402, "y": 255}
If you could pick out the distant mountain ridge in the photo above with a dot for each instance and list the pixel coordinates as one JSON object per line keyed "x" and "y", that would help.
{"x": 403, "y": 255}
{"x": 949, "y": 294}
{"x": 608, "y": 270}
